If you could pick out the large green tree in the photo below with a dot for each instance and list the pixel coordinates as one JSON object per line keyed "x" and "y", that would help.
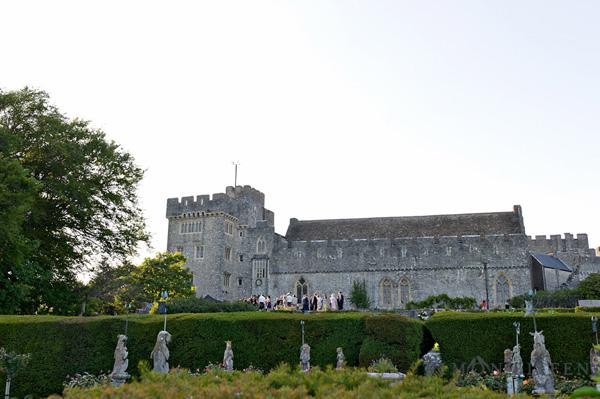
{"x": 17, "y": 193}
{"x": 113, "y": 287}
{"x": 85, "y": 206}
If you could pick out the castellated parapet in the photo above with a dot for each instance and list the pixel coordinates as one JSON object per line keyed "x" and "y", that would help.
{"x": 557, "y": 244}
{"x": 232, "y": 249}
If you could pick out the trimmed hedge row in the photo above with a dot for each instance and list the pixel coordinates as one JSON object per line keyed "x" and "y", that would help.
{"x": 476, "y": 340}
{"x": 62, "y": 346}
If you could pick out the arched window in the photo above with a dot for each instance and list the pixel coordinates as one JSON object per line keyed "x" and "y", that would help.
{"x": 502, "y": 290}
{"x": 261, "y": 246}
{"x": 404, "y": 291}
{"x": 301, "y": 288}
{"x": 385, "y": 292}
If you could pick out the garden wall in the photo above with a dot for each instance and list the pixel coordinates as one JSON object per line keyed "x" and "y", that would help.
{"x": 61, "y": 346}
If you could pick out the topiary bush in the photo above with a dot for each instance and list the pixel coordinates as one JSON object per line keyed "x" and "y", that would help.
{"x": 62, "y": 346}
{"x": 396, "y": 338}
{"x": 477, "y": 340}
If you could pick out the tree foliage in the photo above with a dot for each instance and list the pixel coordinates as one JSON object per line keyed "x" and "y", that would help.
{"x": 114, "y": 287}
{"x": 359, "y": 295}
{"x": 590, "y": 287}
{"x": 79, "y": 200}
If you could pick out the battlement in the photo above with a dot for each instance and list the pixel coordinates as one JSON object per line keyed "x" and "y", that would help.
{"x": 217, "y": 202}
{"x": 556, "y": 243}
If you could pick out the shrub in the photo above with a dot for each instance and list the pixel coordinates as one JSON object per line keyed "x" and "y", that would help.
{"x": 62, "y": 346}
{"x": 283, "y": 383}
{"x": 200, "y": 305}
{"x": 85, "y": 380}
{"x": 443, "y": 301}
{"x": 590, "y": 287}
{"x": 477, "y": 340}
{"x": 382, "y": 365}
{"x": 359, "y": 295}
{"x": 563, "y": 298}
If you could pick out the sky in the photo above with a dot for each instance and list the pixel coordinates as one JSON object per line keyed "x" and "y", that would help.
{"x": 334, "y": 109}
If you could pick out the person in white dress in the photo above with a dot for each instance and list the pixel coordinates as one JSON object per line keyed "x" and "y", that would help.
{"x": 333, "y": 302}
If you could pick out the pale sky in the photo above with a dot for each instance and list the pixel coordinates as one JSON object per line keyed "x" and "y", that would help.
{"x": 335, "y": 109}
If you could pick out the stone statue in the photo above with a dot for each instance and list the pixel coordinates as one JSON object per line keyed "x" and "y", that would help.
{"x": 119, "y": 373}
{"x": 432, "y": 361}
{"x": 228, "y": 357}
{"x": 341, "y": 359}
{"x": 160, "y": 353}
{"x": 541, "y": 364}
{"x": 305, "y": 358}
{"x": 507, "y": 360}
{"x": 594, "y": 361}
{"x": 517, "y": 362}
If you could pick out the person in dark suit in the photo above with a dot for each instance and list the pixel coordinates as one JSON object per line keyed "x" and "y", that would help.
{"x": 340, "y": 300}
{"x": 305, "y": 304}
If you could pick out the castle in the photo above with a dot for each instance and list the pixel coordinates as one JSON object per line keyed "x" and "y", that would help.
{"x": 233, "y": 252}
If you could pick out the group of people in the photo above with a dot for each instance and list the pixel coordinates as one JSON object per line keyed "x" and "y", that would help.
{"x": 316, "y": 303}
{"x": 321, "y": 302}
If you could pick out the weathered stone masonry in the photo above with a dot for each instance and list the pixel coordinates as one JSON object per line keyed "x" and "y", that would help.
{"x": 234, "y": 252}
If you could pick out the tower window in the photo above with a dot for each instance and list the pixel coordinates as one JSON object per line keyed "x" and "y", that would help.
{"x": 190, "y": 227}
{"x": 229, "y": 228}
{"x": 199, "y": 252}
{"x": 226, "y": 278}
{"x": 239, "y": 281}
{"x": 261, "y": 246}
{"x": 241, "y": 258}
{"x": 227, "y": 253}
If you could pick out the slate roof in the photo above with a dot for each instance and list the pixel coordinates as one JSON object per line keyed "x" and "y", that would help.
{"x": 407, "y": 226}
{"x": 551, "y": 262}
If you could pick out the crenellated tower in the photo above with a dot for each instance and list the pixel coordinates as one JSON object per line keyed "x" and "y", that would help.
{"x": 226, "y": 238}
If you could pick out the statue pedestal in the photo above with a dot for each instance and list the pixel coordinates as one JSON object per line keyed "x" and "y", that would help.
{"x": 119, "y": 379}
{"x": 513, "y": 384}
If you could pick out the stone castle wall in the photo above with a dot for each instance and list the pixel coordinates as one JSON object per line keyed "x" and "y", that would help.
{"x": 420, "y": 266}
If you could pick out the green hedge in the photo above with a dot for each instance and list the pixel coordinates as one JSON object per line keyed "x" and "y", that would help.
{"x": 466, "y": 339}
{"x": 61, "y": 345}
{"x": 201, "y": 305}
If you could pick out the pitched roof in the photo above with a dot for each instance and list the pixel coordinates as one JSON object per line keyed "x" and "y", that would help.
{"x": 407, "y": 226}
{"x": 551, "y": 262}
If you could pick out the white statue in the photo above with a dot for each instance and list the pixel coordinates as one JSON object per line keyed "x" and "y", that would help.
{"x": 517, "y": 362}
{"x": 541, "y": 364}
{"x": 507, "y": 360}
{"x": 160, "y": 353}
{"x": 228, "y": 357}
{"x": 305, "y": 358}
{"x": 119, "y": 373}
{"x": 341, "y": 359}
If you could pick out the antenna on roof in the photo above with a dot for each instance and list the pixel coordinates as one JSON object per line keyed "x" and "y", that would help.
{"x": 235, "y": 164}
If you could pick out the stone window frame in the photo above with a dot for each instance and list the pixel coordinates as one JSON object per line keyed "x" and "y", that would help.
{"x": 506, "y": 283}
{"x": 199, "y": 252}
{"x": 261, "y": 246}
{"x": 228, "y": 228}
{"x": 226, "y": 279}
{"x": 404, "y": 286}
{"x": 260, "y": 268}
{"x": 301, "y": 283}
{"x": 192, "y": 227}
{"x": 386, "y": 288}
{"x": 228, "y": 254}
